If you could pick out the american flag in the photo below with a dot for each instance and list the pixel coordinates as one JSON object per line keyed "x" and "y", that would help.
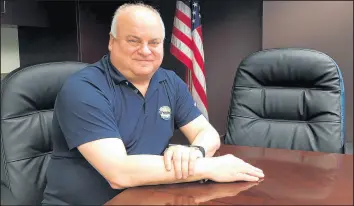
{"x": 187, "y": 47}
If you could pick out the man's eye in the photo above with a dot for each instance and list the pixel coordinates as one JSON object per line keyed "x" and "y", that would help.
{"x": 155, "y": 43}
{"x": 134, "y": 41}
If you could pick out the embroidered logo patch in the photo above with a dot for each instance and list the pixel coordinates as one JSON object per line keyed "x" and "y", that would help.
{"x": 165, "y": 112}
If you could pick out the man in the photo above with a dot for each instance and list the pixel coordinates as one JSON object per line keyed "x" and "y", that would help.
{"x": 113, "y": 121}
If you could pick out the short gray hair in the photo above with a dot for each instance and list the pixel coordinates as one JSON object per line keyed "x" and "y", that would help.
{"x": 127, "y": 5}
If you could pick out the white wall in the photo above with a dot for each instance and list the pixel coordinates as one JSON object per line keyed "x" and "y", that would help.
{"x": 10, "y": 58}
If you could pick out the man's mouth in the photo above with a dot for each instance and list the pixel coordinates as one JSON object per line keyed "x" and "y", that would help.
{"x": 142, "y": 60}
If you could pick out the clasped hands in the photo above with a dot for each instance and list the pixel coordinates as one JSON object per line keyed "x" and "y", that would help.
{"x": 226, "y": 168}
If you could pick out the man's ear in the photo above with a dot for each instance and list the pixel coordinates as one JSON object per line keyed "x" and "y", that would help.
{"x": 110, "y": 43}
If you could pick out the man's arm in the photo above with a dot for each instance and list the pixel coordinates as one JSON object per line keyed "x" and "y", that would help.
{"x": 200, "y": 132}
{"x": 110, "y": 159}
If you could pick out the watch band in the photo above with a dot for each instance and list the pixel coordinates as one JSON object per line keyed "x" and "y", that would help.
{"x": 200, "y": 148}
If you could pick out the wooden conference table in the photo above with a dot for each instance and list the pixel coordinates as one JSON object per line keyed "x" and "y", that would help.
{"x": 291, "y": 177}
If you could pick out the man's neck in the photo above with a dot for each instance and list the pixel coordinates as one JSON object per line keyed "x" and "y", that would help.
{"x": 141, "y": 83}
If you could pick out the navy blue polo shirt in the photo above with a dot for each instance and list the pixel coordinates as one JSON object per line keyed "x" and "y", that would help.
{"x": 99, "y": 102}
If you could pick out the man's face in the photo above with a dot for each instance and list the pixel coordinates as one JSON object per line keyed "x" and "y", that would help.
{"x": 137, "y": 50}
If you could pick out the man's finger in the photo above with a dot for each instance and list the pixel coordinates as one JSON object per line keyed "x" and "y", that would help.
{"x": 168, "y": 159}
{"x": 254, "y": 173}
{"x": 185, "y": 163}
{"x": 177, "y": 163}
{"x": 246, "y": 177}
{"x": 249, "y": 169}
{"x": 254, "y": 168}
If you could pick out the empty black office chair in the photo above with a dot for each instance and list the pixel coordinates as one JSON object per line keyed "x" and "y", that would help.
{"x": 27, "y": 101}
{"x": 287, "y": 98}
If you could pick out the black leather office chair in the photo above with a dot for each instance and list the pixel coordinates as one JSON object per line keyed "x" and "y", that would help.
{"x": 288, "y": 98}
{"x": 27, "y": 101}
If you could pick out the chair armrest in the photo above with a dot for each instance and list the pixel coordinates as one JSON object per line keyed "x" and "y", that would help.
{"x": 348, "y": 148}
{"x": 6, "y": 197}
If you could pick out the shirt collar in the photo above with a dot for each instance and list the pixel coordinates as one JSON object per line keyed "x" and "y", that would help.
{"x": 118, "y": 77}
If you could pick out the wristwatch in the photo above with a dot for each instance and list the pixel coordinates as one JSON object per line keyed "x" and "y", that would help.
{"x": 200, "y": 148}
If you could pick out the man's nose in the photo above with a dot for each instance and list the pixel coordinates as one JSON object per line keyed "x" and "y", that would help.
{"x": 144, "y": 50}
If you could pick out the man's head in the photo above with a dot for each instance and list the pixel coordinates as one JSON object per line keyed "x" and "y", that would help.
{"x": 136, "y": 40}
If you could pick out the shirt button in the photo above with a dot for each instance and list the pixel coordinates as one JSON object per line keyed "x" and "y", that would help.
{"x": 136, "y": 91}
{"x": 127, "y": 83}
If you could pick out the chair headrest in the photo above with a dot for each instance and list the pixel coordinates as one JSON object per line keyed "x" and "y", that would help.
{"x": 34, "y": 88}
{"x": 290, "y": 67}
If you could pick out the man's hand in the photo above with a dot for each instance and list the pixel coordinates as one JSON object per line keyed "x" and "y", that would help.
{"x": 229, "y": 168}
{"x": 183, "y": 159}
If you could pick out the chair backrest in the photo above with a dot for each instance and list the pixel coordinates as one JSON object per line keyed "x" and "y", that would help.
{"x": 27, "y": 101}
{"x": 289, "y": 98}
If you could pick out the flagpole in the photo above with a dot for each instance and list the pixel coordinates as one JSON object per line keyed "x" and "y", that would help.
{"x": 190, "y": 80}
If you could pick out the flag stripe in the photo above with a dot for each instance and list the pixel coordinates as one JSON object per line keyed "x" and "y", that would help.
{"x": 182, "y": 37}
{"x": 181, "y": 56}
{"x": 198, "y": 41}
{"x": 199, "y": 90}
{"x": 183, "y": 18}
{"x": 199, "y": 102}
{"x": 182, "y": 28}
{"x": 199, "y": 59}
{"x": 182, "y": 46}
{"x": 184, "y": 8}
{"x": 199, "y": 74}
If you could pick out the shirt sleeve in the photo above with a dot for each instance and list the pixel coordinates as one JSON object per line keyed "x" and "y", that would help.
{"x": 84, "y": 113}
{"x": 186, "y": 109}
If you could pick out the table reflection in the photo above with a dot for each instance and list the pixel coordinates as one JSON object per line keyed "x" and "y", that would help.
{"x": 181, "y": 194}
